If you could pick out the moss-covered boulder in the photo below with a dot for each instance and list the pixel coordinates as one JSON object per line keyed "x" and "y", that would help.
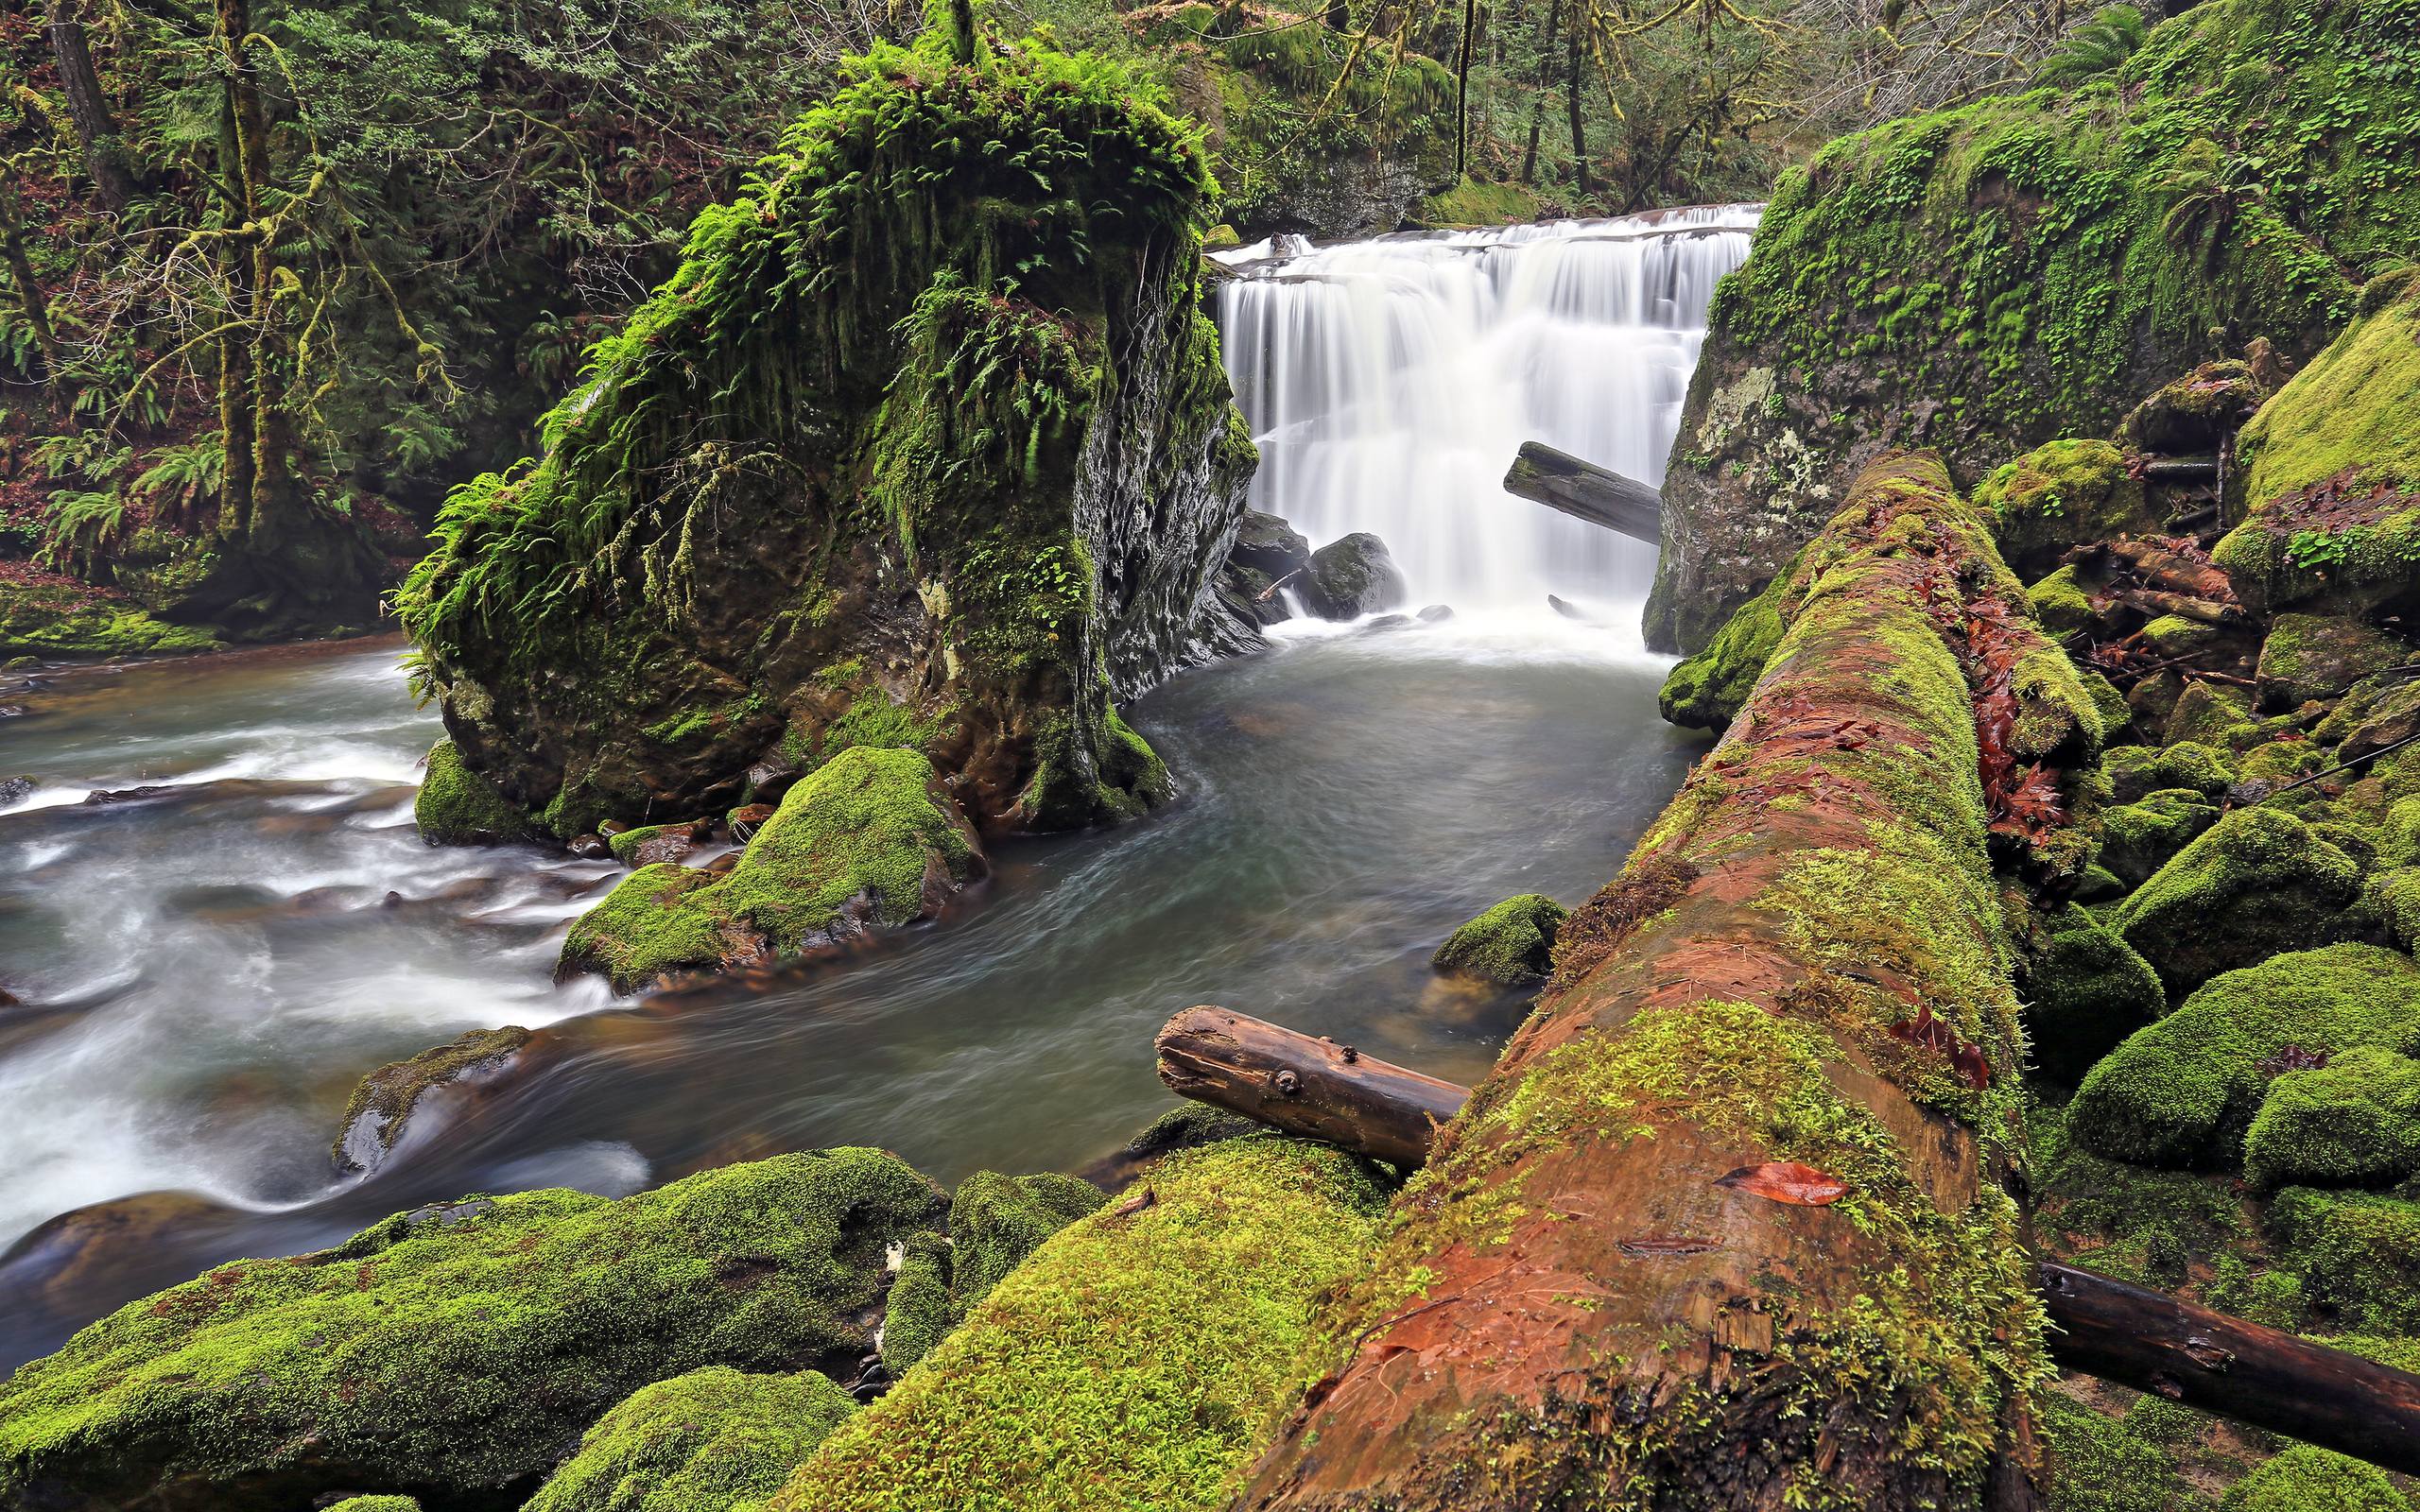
{"x": 1511, "y": 945}
{"x": 1707, "y": 691}
{"x": 1985, "y": 278}
{"x": 2327, "y": 476}
{"x": 452, "y": 1352}
{"x": 2182, "y": 1092}
{"x": 376, "y": 1504}
{"x": 712, "y": 1440}
{"x": 2137, "y": 771}
{"x": 2354, "y": 1121}
{"x": 458, "y": 806}
{"x": 1133, "y": 1360}
{"x": 868, "y": 840}
{"x": 2137, "y": 838}
{"x": 2205, "y": 713}
{"x": 2319, "y": 656}
{"x": 41, "y": 615}
{"x": 924, "y": 445}
{"x": 994, "y": 1222}
{"x": 382, "y": 1105}
{"x": 2099, "y": 1464}
{"x": 2061, "y": 494}
{"x": 2257, "y": 883}
{"x": 2086, "y": 989}
{"x": 2062, "y": 600}
{"x": 2197, "y": 414}
{"x": 2358, "y": 1254}
{"x": 2306, "y": 1478}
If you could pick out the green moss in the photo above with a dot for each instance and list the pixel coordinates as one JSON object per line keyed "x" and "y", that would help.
{"x": 1511, "y": 945}
{"x": 2353, "y": 1122}
{"x": 997, "y": 1221}
{"x": 2061, "y": 494}
{"x": 712, "y": 1440}
{"x": 2394, "y": 896}
{"x": 2137, "y": 770}
{"x": 2358, "y": 1255}
{"x": 2061, "y": 603}
{"x": 458, "y": 806}
{"x": 1707, "y": 691}
{"x": 2309, "y": 1479}
{"x": 855, "y": 843}
{"x": 1132, "y": 1361}
{"x": 2254, "y": 884}
{"x": 2136, "y": 839}
{"x": 2329, "y": 473}
{"x": 457, "y": 1348}
{"x": 2182, "y": 1092}
{"x": 375, "y": 1504}
{"x": 2313, "y": 655}
{"x": 2140, "y": 1224}
{"x": 2099, "y": 1464}
{"x": 2086, "y": 991}
{"x": 917, "y": 1312}
{"x": 382, "y": 1104}
{"x": 2207, "y": 715}
{"x": 74, "y": 620}
{"x": 1474, "y": 203}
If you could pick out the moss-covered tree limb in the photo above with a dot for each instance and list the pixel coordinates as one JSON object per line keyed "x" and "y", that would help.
{"x": 1725, "y": 1228}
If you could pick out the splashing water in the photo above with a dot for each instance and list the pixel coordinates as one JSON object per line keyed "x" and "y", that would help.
{"x": 1390, "y": 383}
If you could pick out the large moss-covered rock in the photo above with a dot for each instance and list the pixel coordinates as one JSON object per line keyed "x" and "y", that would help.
{"x": 1132, "y": 1362}
{"x": 452, "y": 1351}
{"x": 2318, "y": 656}
{"x": 2306, "y": 1478}
{"x": 994, "y": 1222}
{"x": 2086, "y": 989}
{"x": 2136, "y": 839}
{"x": 2254, "y": 884}
{"x": 1707, "y": 691}
{"x": 1351, "y": 577}
{"x": 41, "y": 615}
{"x": 2358, "y": 1254}
{"x": 458, "y": 806}
{"x": 2099, "y": 1464}
{"x": 2352, "y": 1121}
{"x": 712, "y": 1440}
{"x": 868, "y": 840}
{"x": 1985, "y": 278}
{"x": 2328, "y": 472}
{"x": 2197, "y": 414}
{"x": 925, "y": 444}
{"x": 2183, "y": 1091}
{"x": 2058, "y": 495}
{"x": 1511, "y": 945}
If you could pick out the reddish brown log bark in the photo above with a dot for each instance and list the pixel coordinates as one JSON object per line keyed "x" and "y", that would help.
{"x": 1725, "y": 1229}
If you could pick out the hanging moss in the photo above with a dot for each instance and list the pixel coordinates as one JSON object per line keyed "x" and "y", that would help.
{"x": 452, "y": 1350}
{"x": 712, "y": 1440}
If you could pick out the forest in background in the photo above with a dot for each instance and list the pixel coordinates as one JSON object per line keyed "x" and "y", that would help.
{"x": 277, "y": 276}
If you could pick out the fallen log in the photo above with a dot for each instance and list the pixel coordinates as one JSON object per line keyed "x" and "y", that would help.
{"x": 2143, "y": 1339}
{"x": 2156, "y": 602}
{"x": 1724, "y": 1228}
{"x": 2174, "y": 571}
{"x": 2182, "y": 469}
{"x": 1586, "y": 491}
{"x": 1329, "y": 1092}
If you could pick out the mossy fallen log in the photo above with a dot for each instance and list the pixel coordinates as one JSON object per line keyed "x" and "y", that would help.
{"x": 1725, "y": 1228}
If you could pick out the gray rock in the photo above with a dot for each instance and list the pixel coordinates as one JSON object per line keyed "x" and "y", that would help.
{"x": 1351, "y": 578}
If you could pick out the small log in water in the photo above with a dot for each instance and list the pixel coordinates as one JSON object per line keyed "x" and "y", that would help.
{"x": 2103, "y": 1328}
{"x": 1586, "y": 491}
{"x": 1307, "y": 1086}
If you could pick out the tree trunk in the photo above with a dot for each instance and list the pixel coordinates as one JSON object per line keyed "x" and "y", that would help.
{"x": 1725, "y": 1229}
{"x": 1577, "y": 35}
{"x": 236, "y": 377}
{"x": 1585, "y": 491}
{"x": 1462, "y": 91}
{"x": 1538, "y": 102}
{"x": 88, "y": 108}
{"x": 29, "y": 296}
{"x": 1312, "y": 1086}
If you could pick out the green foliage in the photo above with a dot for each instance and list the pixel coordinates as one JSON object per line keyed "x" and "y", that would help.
{"x": 2353, "y": 1122}
{"x": 2097, "y": 49}
{"x": 457, "y": 1347}
{"x": 712, "y": 1440}
{"x": 2183, "y": 1091}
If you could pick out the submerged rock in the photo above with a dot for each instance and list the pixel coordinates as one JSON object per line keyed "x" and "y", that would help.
{"x": 1511, "y": 945}
{"x": 713, "y": 1441}
{"x": 1353, "y": 577}
{"x": 456, "y": 1349}
{"x": 384, "y": 1102}
{"x": 867, "y": 840}
{"x": 838, "y": 485}
{"x": 1132, "y": 1361}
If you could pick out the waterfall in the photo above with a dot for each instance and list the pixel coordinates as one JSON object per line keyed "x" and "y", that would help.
{"x": 1390, "y": 382}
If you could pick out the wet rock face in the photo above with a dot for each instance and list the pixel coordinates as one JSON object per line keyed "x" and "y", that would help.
{"x": 385, "y": 1101}
{"x": 907, "y": 509}
{"x": 1353, "y": 577}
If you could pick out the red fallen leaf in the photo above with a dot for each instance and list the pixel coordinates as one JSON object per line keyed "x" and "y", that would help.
{"x": 1648, "y": 1247}
{"x": 1801, "y": 1186}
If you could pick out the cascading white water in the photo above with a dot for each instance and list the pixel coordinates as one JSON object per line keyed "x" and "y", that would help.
{"x": 1390, "y": 383}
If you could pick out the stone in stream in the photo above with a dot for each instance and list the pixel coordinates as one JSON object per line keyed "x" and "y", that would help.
{"x": 15, "y": 789}
{"x": 386, "y": 1099}
{"x": 1511, "y": 945}
{"x": 1351, "y": 577}
{"x": 458, "y": 1349}
{"x": 712, "y": 1438}
{"x": 1435, "y": 614}
{"x": 1270, "y": 546}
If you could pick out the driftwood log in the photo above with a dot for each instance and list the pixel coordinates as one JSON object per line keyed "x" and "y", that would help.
{"x": 2143, "y": 1339}
{"x": 1586, "y": 491}
{"x": 2194, "y": 577}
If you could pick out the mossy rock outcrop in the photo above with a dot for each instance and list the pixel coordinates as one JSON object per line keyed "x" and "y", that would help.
{"x": 868, "y": 840}
{"x": 1511, "y": 945}
{"x": 2197, "y": 414}
{"x": 2183, "y": 1091}
{"x": 713, "y": 1441}
{"x": 2327, "y": 476}
{"x": 382, "y": 1105}
{"x": 1986, "y": 279}
{"x": 72, "y": 619}
{"x": 2060, "y": 494}
{"x": 458, "y": 806}
{"x": 2137, "y": 838}
{"x": 1132, "y": 1361}
{"x": 2358, "y": 1254}
{"x": 2086, "y": 989}
{"x": 2099, "y": 1464}
{"x": 2306, "y": 1478}
{"x": 925, "y": 444}
{"x": 2137, "y": 771}
{"x": 2257, "y": 883}
{"x": 452, "y": 1352}
{"x": 2317, "y": 656}
{"x": 1707, "y": 691}
{"x": 2353, "y": 1122}
{"x": 994, "y": 1222}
